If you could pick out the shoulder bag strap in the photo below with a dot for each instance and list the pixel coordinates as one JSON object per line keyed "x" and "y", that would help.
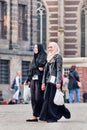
{"x": 73, "y": 77}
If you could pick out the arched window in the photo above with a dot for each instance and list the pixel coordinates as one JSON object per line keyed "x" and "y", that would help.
{"x": 83, "y": 33}
{"x": 41, "y": 23}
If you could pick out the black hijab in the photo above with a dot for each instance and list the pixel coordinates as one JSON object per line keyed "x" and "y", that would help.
{"x": 40, "y": 51}
{"x": 40, "y": 55}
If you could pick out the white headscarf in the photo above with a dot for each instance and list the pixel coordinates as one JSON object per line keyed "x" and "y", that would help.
{"x": 55, "y": 51}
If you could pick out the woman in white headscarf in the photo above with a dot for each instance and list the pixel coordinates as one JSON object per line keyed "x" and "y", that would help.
{"x": 51, "y": 112}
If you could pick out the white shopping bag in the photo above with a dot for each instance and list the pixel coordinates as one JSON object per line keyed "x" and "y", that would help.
{"x": 26, "y": 94}
{"x": 16, "y": 95}
{"x": 58, "y": 98}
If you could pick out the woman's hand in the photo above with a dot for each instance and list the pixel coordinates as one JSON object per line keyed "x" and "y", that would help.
{"x": 26, "y": 83}
{"x": 43, "y": 87}
{"x": 40, "y": 68}
{"x": 58, "y": 85}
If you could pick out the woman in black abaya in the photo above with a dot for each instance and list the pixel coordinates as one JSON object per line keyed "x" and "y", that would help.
{"x": 35, "y": 79}
{"x": 51, "y": 112}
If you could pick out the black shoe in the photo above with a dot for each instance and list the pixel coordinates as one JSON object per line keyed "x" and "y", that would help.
{"x": 31, "y": 120}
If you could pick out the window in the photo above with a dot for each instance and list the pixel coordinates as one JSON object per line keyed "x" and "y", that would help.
{"x": 22, "y": 22}
{"x": 25, "y": 69}
{"x": 3, "y": 20}
{"x": 66, "y": 71}
{"x": 41, "y": 24}
{"x": 4, "y": 72}
{"x": 83, "y": 33}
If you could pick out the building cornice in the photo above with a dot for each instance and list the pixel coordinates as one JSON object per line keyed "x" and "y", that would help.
{"x": 16, "y": 52}
{"x": 78, "y": 61}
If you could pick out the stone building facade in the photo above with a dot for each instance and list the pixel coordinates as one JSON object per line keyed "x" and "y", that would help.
{"x": 26, "y": 22}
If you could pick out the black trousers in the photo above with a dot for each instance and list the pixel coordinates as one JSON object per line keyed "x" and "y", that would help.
{"x": 36, "y": 97}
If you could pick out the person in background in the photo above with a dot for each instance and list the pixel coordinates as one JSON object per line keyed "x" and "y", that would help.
{"x": 51, "y": 112}
{"x": 65, "y": 89}
{"x": 17, "y": 83}
{"x": 34, "y": 81}
{"x": 72, "y": 86}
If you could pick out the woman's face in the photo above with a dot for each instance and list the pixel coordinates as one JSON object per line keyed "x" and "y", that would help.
{"x": 35, "y": 49}
{"x": 50, "y": 48}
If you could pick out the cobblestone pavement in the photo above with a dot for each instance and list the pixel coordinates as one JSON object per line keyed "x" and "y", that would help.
{"x": 13, "y": 117}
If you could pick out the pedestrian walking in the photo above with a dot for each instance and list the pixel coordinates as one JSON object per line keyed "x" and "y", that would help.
{"x": 73, "y": 86}
{"x": 65, "y": 89}
{"x": 16, "y": 86}
{"x": 51, "y": 112}
{"x": 34, "y": 80}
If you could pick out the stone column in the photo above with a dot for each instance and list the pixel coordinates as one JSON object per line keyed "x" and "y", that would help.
{"x": 8, "y": 21}
{"x": 61, "y": 25}
{"x": 34, "y": 22}
{"x": 86, "y": 33}
{"x": 29, "y": 22}
{"x": 14, "y": 23}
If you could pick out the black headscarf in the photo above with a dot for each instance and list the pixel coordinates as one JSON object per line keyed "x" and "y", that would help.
{"x": 40, "y": 49}
{"x": 39, "y": 60}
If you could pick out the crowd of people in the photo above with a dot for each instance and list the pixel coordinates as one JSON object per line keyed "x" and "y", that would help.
{"x": 40, "y": 91}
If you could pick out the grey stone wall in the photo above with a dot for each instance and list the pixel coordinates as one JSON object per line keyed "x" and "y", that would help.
{"x": 15, "y": 59}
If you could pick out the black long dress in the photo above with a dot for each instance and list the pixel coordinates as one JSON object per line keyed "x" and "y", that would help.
{"x": 50, "y": 111}
{"x": 39, "y": 60}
